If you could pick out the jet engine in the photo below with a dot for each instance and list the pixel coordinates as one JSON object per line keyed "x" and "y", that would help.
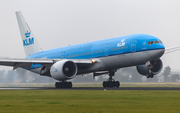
{"x": 63, "y": 70}
{"x": 151, "y": 68}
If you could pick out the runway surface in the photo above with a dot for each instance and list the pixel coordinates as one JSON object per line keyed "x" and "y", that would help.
{"x": 90, "y": 88}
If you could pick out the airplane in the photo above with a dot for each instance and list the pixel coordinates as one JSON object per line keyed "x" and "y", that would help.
{"x": 98, "y": 57}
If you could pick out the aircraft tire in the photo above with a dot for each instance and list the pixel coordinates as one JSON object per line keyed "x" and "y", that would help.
{"x": 114, "y": 83}
{"x": 66, "y": 84}
{"x": 152, "y": 76}
{"x": 110, "y": 84}
{"x": 56, "y": 85}
{"x": 69, "y": 84}
{"x": 117, "y": 84}
{"x": 104, "y": 84}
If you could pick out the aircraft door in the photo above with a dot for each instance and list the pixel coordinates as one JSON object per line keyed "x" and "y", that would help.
{"x": 62, "y": 55}
{"x": 133, "y": 46}
{"x": 144, "y": 45}
{"x": 106, "y": 50}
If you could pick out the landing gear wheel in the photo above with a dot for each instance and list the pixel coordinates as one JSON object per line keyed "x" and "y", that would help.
{"x": 150, "y": 76}
{"x": 117, "y": 84}
{"x": 104, "y": 84}
{"x": 63, "y": 84}
{"x": 69, "y": 85}
{"x": 56, "y": 85}
{"x": 114, "y": 84}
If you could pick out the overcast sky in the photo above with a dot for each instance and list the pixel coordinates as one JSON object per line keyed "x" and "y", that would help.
{"x": 57, "y": 23}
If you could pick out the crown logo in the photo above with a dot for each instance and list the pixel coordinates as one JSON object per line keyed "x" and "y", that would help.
{"x": 27, "y": 34}
{"x": 122, "y": 43}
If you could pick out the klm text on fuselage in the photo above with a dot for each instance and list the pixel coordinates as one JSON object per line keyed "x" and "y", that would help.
{"x": 28, "y": 40}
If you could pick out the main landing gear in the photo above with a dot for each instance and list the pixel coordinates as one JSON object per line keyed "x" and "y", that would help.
{"x": 111, "y": 83}
{"x": 63, "y": 84}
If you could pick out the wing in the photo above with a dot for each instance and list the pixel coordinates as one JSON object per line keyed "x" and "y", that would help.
{"x": 172, "y": 49}
{"x": 27, "y": 63}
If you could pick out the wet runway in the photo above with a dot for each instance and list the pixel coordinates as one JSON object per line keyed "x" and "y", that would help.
{"x": 90, "y": 88}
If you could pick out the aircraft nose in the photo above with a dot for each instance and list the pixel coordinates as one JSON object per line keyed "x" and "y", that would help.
{"x": 161, "y": 51}
{"x": 157, "y": 54}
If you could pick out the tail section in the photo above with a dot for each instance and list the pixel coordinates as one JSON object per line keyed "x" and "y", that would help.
{"x": 30, "y": 44}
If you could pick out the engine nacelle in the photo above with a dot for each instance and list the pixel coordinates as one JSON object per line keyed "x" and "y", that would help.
{"x": 153, "y": 68}
{"x": 63, "y": 70}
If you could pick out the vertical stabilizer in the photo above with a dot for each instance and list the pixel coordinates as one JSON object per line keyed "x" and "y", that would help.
{"x": 30, "y": 44}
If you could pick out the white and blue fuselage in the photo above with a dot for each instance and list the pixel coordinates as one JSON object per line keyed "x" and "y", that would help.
{"x": 117, "y": 52}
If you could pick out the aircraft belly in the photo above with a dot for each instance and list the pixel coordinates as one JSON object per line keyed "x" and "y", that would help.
{"x": 130, "y": 59}
{"x": 116, "y": 61}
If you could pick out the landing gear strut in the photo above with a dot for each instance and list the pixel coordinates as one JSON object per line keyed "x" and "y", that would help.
{"x": 63, "y": 84}
{"x": 111, "y": 83}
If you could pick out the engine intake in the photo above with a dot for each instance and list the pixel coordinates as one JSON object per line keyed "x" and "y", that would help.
{"x": 69, "y": 68}
{"x": 63, "y": 70}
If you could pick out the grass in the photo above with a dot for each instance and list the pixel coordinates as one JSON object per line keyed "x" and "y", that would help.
{"x": 89, "y": 101}
{"x": 129, "y": 85}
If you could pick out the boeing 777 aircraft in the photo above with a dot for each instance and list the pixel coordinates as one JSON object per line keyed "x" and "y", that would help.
{"x": 98, "y": 57}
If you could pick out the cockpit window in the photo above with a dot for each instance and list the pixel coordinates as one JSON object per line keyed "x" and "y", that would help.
{"x": 154, "y": 42}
